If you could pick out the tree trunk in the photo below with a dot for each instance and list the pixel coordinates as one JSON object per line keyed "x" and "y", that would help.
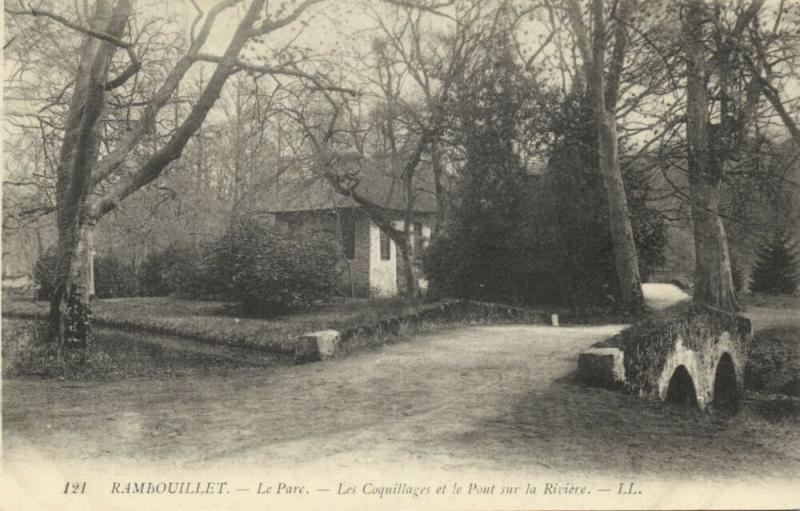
{"x": 604, "y": 98}
{"x": 70, "y": 315}
{"x": 713, "y": 282}
{"x": 625, "y": 257}
{"x": 75, "y": 314}
{"x": 408, "y": 248}
{"x": 713, "y": 279}
{"x": 410, "y": 274}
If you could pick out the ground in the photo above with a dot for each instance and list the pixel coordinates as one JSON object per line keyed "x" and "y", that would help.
{"x": 499, "y": 398}
{"x": 470, "y": 398}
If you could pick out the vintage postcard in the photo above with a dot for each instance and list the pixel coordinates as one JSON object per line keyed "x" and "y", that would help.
{"x": 400, "y": 254}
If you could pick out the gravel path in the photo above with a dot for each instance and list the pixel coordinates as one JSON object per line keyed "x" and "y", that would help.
{"x": 480, "y": 398}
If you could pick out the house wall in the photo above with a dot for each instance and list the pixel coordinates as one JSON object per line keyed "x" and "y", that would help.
{"x": 382, "y": 273}
{"x": 366, "y": 274}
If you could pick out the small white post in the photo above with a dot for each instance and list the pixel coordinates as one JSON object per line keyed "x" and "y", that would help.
{"x": 554, "y": 319}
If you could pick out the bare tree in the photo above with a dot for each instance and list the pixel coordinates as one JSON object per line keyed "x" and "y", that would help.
{"x": 80, "y": 165}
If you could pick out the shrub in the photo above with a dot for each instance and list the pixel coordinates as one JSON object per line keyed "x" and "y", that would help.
{"x": 177, "y": 270}
{"x": 114, "y": 277}
{"x": 268, "y": 272}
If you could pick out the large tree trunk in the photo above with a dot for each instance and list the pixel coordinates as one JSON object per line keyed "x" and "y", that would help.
{"x": 625, "y": 257}
{"x": 70, "y": 314}
{"x": 408, "y": 248}
{"x": 604, "y": 99}
{"x": 74, "y": 311}
{"x": 713, "y": 282}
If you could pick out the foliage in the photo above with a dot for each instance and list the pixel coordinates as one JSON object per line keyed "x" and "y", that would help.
{"x": 480, "y": 252}
{"x": 540, "y": 238}
{"x": 269, "y": 272}
{"x": 179, "y": 270}
{"x": 114, "y": 278}
{"x": 773, "y": 363}
{"x": 571, "y": 210}
{"x": 776, "y": 268}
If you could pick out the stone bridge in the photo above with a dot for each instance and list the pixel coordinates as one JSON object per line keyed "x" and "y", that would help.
{"x": 688, "y": 353}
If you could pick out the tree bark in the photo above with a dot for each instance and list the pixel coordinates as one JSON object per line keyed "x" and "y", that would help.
{"x": 713, "y": 282}
{"x": 75, "y": 315}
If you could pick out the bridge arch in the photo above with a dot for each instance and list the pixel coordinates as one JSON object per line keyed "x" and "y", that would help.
{"x": 725, "y": 382}
{"x": 681, "y": 388}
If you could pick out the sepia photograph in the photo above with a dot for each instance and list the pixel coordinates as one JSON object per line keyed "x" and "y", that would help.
{"x": 400, "y": 254}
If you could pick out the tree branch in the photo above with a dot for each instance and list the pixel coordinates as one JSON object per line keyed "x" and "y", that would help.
{"x": 269, "y": 70}
{"x": 271, "y": 26}
{"x": 576, "y": 18}
{"x": 129, "y": 71}
{"x": 117, "y": 156}
{"x": 69, "y": 24}
{"x": 624, "y": 9}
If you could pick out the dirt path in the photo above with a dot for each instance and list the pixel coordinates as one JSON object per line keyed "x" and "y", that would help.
{"x": 482, "y": 398}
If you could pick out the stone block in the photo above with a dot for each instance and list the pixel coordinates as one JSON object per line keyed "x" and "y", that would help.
{"x": 602, "y": 367}
{"x": 317, "y": 346}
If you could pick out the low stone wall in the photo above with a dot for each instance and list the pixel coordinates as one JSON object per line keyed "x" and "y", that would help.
{"x": 691, "y": 336}
{"x": 602, "y": 367}
{"x": 317, "y": 345}
{"x": 307, "y": 348}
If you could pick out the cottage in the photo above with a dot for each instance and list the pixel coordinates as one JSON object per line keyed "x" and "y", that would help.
{"x": 370, "y": 263}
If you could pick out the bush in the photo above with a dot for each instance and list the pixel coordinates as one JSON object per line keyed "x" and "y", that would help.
{"x": 177, "y": 270}
{"x": 114, "y": 278}
{"x": 268, "y": 272}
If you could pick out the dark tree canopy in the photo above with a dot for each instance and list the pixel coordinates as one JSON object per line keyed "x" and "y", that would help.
{"x": 776, "y": 268}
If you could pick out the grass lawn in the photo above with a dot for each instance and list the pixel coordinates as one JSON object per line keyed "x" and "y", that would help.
{"x": 217, "y": 322}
